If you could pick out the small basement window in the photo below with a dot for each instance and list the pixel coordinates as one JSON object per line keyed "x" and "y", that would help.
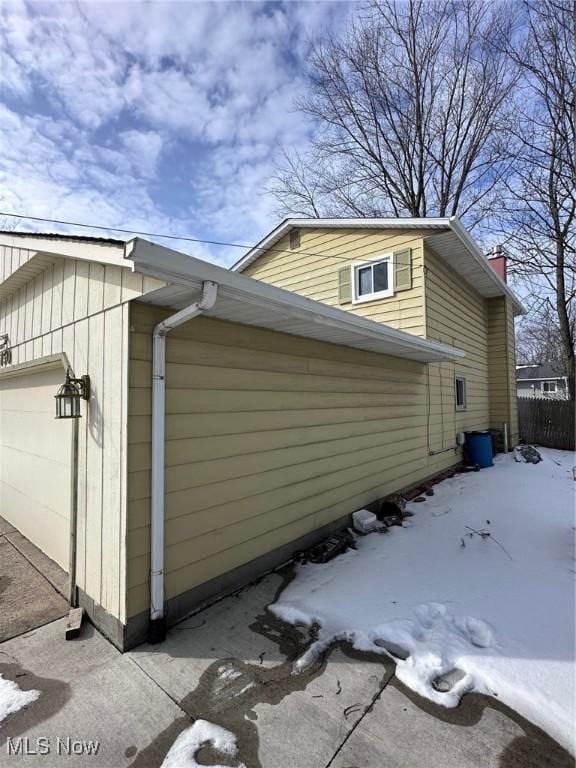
{"x": 460, "y": 393}
{"x": 549, "y": 386}
{"x": 372, "y": 280}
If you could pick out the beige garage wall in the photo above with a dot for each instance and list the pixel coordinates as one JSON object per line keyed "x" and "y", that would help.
{"x": 81, "y": 308}
{"x": 35, "y": 462}
{"x": 269, "y": 437}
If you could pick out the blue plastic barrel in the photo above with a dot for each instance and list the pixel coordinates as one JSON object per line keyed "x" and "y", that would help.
{"x": 479, "y": 448}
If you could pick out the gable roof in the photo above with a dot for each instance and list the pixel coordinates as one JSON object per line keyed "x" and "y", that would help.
{"x": 248, "y": 301}
{"x": 447, "y": 236}
{"x": 540, "y": 371}
{"x": 240, "y": 299}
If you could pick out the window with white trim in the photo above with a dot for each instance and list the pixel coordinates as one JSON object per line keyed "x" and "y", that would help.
{"x": 460, "y": 392}
{"x": 549, "y": 386}
{"x": 372, "y": 280}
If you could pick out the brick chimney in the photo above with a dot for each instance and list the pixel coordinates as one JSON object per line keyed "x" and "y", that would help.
{"x": 497, "y": 259}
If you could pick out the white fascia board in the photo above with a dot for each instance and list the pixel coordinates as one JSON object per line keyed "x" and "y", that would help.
{"x": 285, "y": 226}
{"x": 464, "y": 236}
{"x": 173, "y": 266}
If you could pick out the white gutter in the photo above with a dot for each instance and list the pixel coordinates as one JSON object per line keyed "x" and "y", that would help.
{"x": 157, "y": 627}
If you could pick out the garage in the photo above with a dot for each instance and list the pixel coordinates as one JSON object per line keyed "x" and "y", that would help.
{"x": 35, "y": 466}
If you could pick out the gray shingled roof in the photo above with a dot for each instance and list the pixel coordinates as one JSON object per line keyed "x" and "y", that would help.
{"x": 540, "y": 371}
{"x": 64, "y": 236}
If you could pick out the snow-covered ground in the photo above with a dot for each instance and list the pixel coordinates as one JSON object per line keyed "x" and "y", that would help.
{"x": 500, "y": 607}
{"x": 182, "y": 754}
{"x": 12, "y": 698}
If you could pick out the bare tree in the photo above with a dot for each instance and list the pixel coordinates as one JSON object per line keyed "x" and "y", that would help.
{"x": 539, "y": 210}
{"x": 408, "y": 106}
{"x": 538, "y": 338}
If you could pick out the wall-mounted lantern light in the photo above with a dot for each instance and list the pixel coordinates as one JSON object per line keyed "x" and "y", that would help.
{"x": 69, "y": 396}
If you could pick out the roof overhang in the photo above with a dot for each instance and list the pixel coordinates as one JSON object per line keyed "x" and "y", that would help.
{"x": 30, "y": 255}
{"x": 446, "y": 236}
{"x": 251, "y": 302}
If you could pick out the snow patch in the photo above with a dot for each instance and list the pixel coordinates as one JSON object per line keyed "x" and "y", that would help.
{"x": 183, "y": 752}
{"x": 459, "y": 612}
{"x": 12, "y": 698}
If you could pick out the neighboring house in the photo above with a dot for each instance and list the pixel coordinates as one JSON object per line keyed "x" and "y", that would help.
{"x": 547, "y": 380}
{"x": 230, "y": 422}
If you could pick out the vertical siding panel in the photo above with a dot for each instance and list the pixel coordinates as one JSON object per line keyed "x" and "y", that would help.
{"x": 68, "y": 346}
{"x": 68, "y": 291}
{"x": 92, "y": 528}
{"x": 79, "y": 308}
{"x": 58, "y": 282}
{"x": 96, "y": 288}
{"x": 57, "y": 345}
{"x": 46, "y": 344}
{"x": 37, "y": 311}
{"x": 7, "y": 324}
{"x": 123, "y": 464}
{"x": 111, "y": 488}
{"x": 81, "y": 293}
{"x": 13, "y": 323}
{"x": 112, "y": 286}
{"x": 82, "y": 349}
{"x": 47, "y": 288}
{"x": 29, "y": 311}
{"x": 3, "y": 316}
{"x": 20, "y": 333}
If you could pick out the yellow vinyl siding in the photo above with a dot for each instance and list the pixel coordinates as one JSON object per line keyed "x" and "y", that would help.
{"x": 312, "y": 271}
{"x": 456, "y": 315}
{"x": 502, "y": 366}
{"x": 268, "y": 437}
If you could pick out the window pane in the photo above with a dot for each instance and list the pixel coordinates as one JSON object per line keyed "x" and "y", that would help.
{"x": 460, "y": 393}
{"x": 364, "y": 281}
{"x": 381, "y": 277}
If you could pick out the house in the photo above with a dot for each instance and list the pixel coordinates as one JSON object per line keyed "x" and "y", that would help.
{"x": 547, "y": 380}
{"x": 225, "y": 421}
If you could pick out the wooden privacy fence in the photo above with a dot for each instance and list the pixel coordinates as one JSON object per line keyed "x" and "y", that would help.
{"x": 549, "y": 423}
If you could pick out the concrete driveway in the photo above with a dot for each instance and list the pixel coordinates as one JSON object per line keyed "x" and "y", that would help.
{"x": 231, "y": 665}
{"x": 31, "y": 585}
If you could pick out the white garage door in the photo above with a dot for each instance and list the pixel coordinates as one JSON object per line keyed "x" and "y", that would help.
{"x": 35, "y": 462}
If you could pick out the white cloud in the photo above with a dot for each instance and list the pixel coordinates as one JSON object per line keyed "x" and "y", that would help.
{"x": 146, "y": 97}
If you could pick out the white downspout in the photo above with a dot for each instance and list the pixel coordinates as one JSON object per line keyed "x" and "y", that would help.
{"x": 157, "y": 629}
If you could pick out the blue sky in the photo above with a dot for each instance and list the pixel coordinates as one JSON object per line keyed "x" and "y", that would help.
{"x": 163, "y": 116}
